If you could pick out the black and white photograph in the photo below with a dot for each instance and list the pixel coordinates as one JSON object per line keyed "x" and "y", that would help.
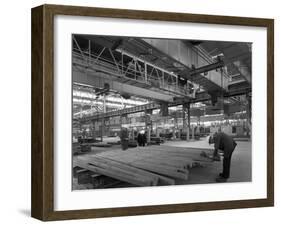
{"x": 159, "y": 112}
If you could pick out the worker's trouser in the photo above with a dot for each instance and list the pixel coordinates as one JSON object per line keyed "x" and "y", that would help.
{"x": 226, "y": 166}
{"x": 141, "y": 143}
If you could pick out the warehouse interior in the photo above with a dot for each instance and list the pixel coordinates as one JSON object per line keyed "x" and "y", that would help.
{"x": 175, "y": 93}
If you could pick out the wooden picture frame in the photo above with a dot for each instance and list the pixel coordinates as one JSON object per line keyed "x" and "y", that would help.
{"x": 43, "y": 111}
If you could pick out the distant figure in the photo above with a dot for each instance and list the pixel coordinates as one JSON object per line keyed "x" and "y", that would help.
{"x": 225, "y": 143}
{"x": 124, "y": 138}
{"x": 144, "y": 138}
{"x": 84, "y": 133}
{"x": 141, "y": 138}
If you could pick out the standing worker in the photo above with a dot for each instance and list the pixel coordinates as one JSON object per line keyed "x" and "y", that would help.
{"x": 144, "y": 138}
{"x": 225, "y": 143}
{"x": 124, "y": 138}
{"x": 141, "y": 138}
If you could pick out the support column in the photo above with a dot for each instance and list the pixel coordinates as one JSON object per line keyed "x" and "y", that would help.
{"x": 188, "y": 121}
{"x": 179, "y": 131}
{"x": 156, "y": 129}
{"x": 157, "y": 132}
{"x": 148, "y": 125}
{"x": 174, "y": 129}
{"x": 124, "y": 116}
{"x": 133, "y": 134}
{"x": 186, "y": 126}
{"x": 192, "y": 130}
{"x": 103, "y": 119}
{"x": 120, "y": 122}
{"x": 148, "y": 135}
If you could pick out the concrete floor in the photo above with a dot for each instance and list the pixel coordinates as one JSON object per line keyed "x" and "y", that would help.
{"x": 241, "y": 163}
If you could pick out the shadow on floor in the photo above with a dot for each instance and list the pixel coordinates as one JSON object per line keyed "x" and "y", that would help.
{"x": 25, "y": 212}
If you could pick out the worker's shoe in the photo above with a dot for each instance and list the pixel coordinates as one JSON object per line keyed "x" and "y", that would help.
{"x": 221, "y": 179}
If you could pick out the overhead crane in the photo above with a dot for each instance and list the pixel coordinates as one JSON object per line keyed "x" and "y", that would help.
{"x": 147, "y": 72}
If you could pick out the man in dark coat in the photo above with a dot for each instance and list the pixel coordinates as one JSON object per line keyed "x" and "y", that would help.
{"x": 225, "y": 143}
{"x": 141, "y": 138}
